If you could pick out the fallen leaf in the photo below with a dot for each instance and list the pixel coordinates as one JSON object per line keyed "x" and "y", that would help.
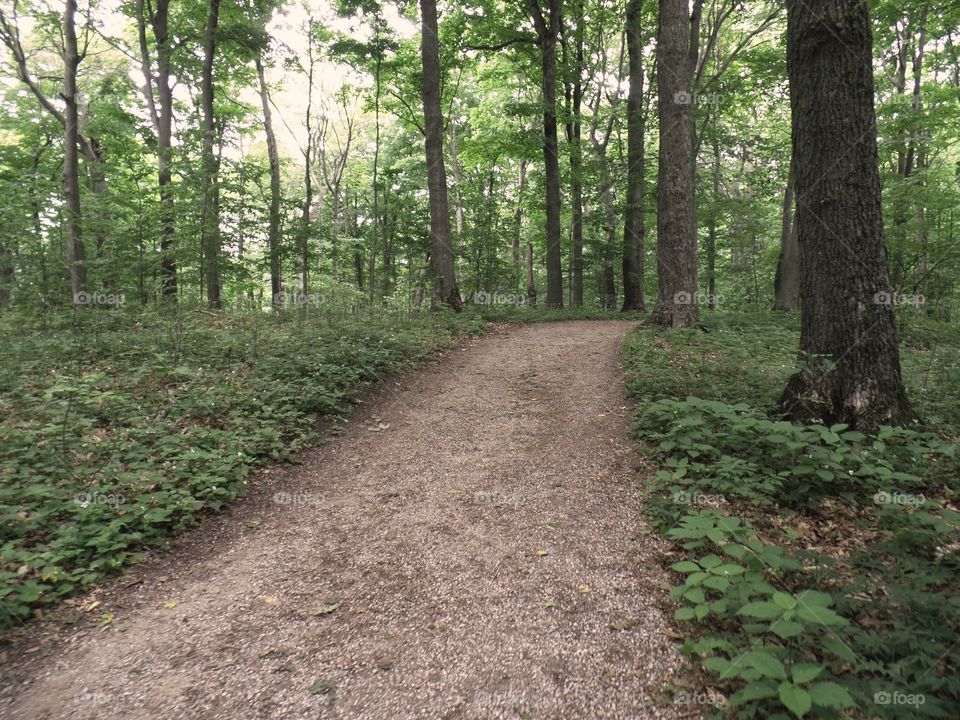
{"x": 584, "y": 588}
{"x": 542, "y": 553}
{"x": 548, "y": 603}
{"x": 271, "y": 599}
{"x": 92, "y": 606}
{"x": 323, "y": 687}
{"x": 328, "y": 606}
{"x": 170, "y": 604}
{"x": 625, "y": 624}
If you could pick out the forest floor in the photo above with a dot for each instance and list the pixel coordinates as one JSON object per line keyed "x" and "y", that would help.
{"x": 472, "y": 546}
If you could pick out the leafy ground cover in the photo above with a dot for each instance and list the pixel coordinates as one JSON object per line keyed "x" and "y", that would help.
{"x": 119, "y": 430}
{"x": 816, "y": 567}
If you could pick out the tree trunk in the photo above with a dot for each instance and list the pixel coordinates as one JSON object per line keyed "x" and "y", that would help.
{"x": 159, "y": 97}
{"x": 518, "y": 222}
{"x": 634, "y": 223}
{"x": 76, "y": 254}
{"x": 548, "y": 29}
{"x": 676, "y": 233}
{"x": 531, "y": 286}
{"x": 712, "y": 229}
{"x": 445, "y": 289}
{"x": 574, "y": 126}
{"x": 848, "y": 338}
{"x": 211, "y": 199}
{"x": 786, "y": 284}
{"x": 273, "y": 157}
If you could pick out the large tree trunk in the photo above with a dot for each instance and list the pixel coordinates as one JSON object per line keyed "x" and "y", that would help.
{"x": 634, "y": 226}
{"x": 445, "y": 289}
{"x": 273, "y": 157}
{"x": 71, "y": 165}
{"x": 548, "y": 29}
{"x": 211, "y": 199}
{"x": 786, "y": 284}
{"x": 848, "y": 338}
{"x": 676, "y": 232}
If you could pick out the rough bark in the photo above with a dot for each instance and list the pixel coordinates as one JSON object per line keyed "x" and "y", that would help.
{"x": 211, "y": 200}
{"x": 445, "y": 289}
{"x": 273, "y": 157}
{"x": 634, "y": 224}
{"x": 676, "y": 304}
{"x": 548, "y": 29}
{"x": 848, "y": 339}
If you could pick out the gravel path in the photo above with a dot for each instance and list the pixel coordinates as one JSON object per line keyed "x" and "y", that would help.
{"x": 471, "y": 547}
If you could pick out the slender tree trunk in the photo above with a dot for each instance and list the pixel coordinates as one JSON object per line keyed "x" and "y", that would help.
{"x": 307, "y": 174}
{"x": 273, "y": 157}
{"x": 786, "y": 284}
{"x": 848, "y": 338}
{"x": 71, "y": 165}
{"x": 445, "y": 285}
{"x": 634, "y": 224}
{"x": 712, "y": 229}
{"x": 574, "y": 138}
{"x": 211, "y": 200}
{"x": 548, "y": 29}
{"x": 676, "y": 232}
{"x": 531, "y": 286}
{"x": 518, "y": 224}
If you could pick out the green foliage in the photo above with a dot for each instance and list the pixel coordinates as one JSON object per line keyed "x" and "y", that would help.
{"x": 119, "y": 431}
{"x": 817, "y": 566}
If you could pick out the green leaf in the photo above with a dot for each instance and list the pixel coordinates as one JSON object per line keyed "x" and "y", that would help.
{"x": 784, "y": 600}
{"x": 685, "y": 566}
{"x": 757, "y": 690}
{"x": 762, "y": 610}
{"x": 796, "y": 700}
{"x": 695, "y": 595}
{"x": 815, "y": 598}
{"x": 821, "y": 615}
{"x": 786, "y": 628}
{"x": 765, "y": 663}
{"x": 839, "y": 649}
{"x": 805, "y": 672}
{"x": 831, "y": 695}
{"x": 684, "y": 613}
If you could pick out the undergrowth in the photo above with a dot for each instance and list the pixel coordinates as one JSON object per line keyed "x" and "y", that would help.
{"x": 120, "y": 430}
{"x": 816, "y": 567}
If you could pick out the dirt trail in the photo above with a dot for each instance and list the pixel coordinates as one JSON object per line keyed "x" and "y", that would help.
{"x": 478, "y": 523}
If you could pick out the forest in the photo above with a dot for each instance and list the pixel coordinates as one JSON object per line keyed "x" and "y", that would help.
{"x": 704, "y": 251}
